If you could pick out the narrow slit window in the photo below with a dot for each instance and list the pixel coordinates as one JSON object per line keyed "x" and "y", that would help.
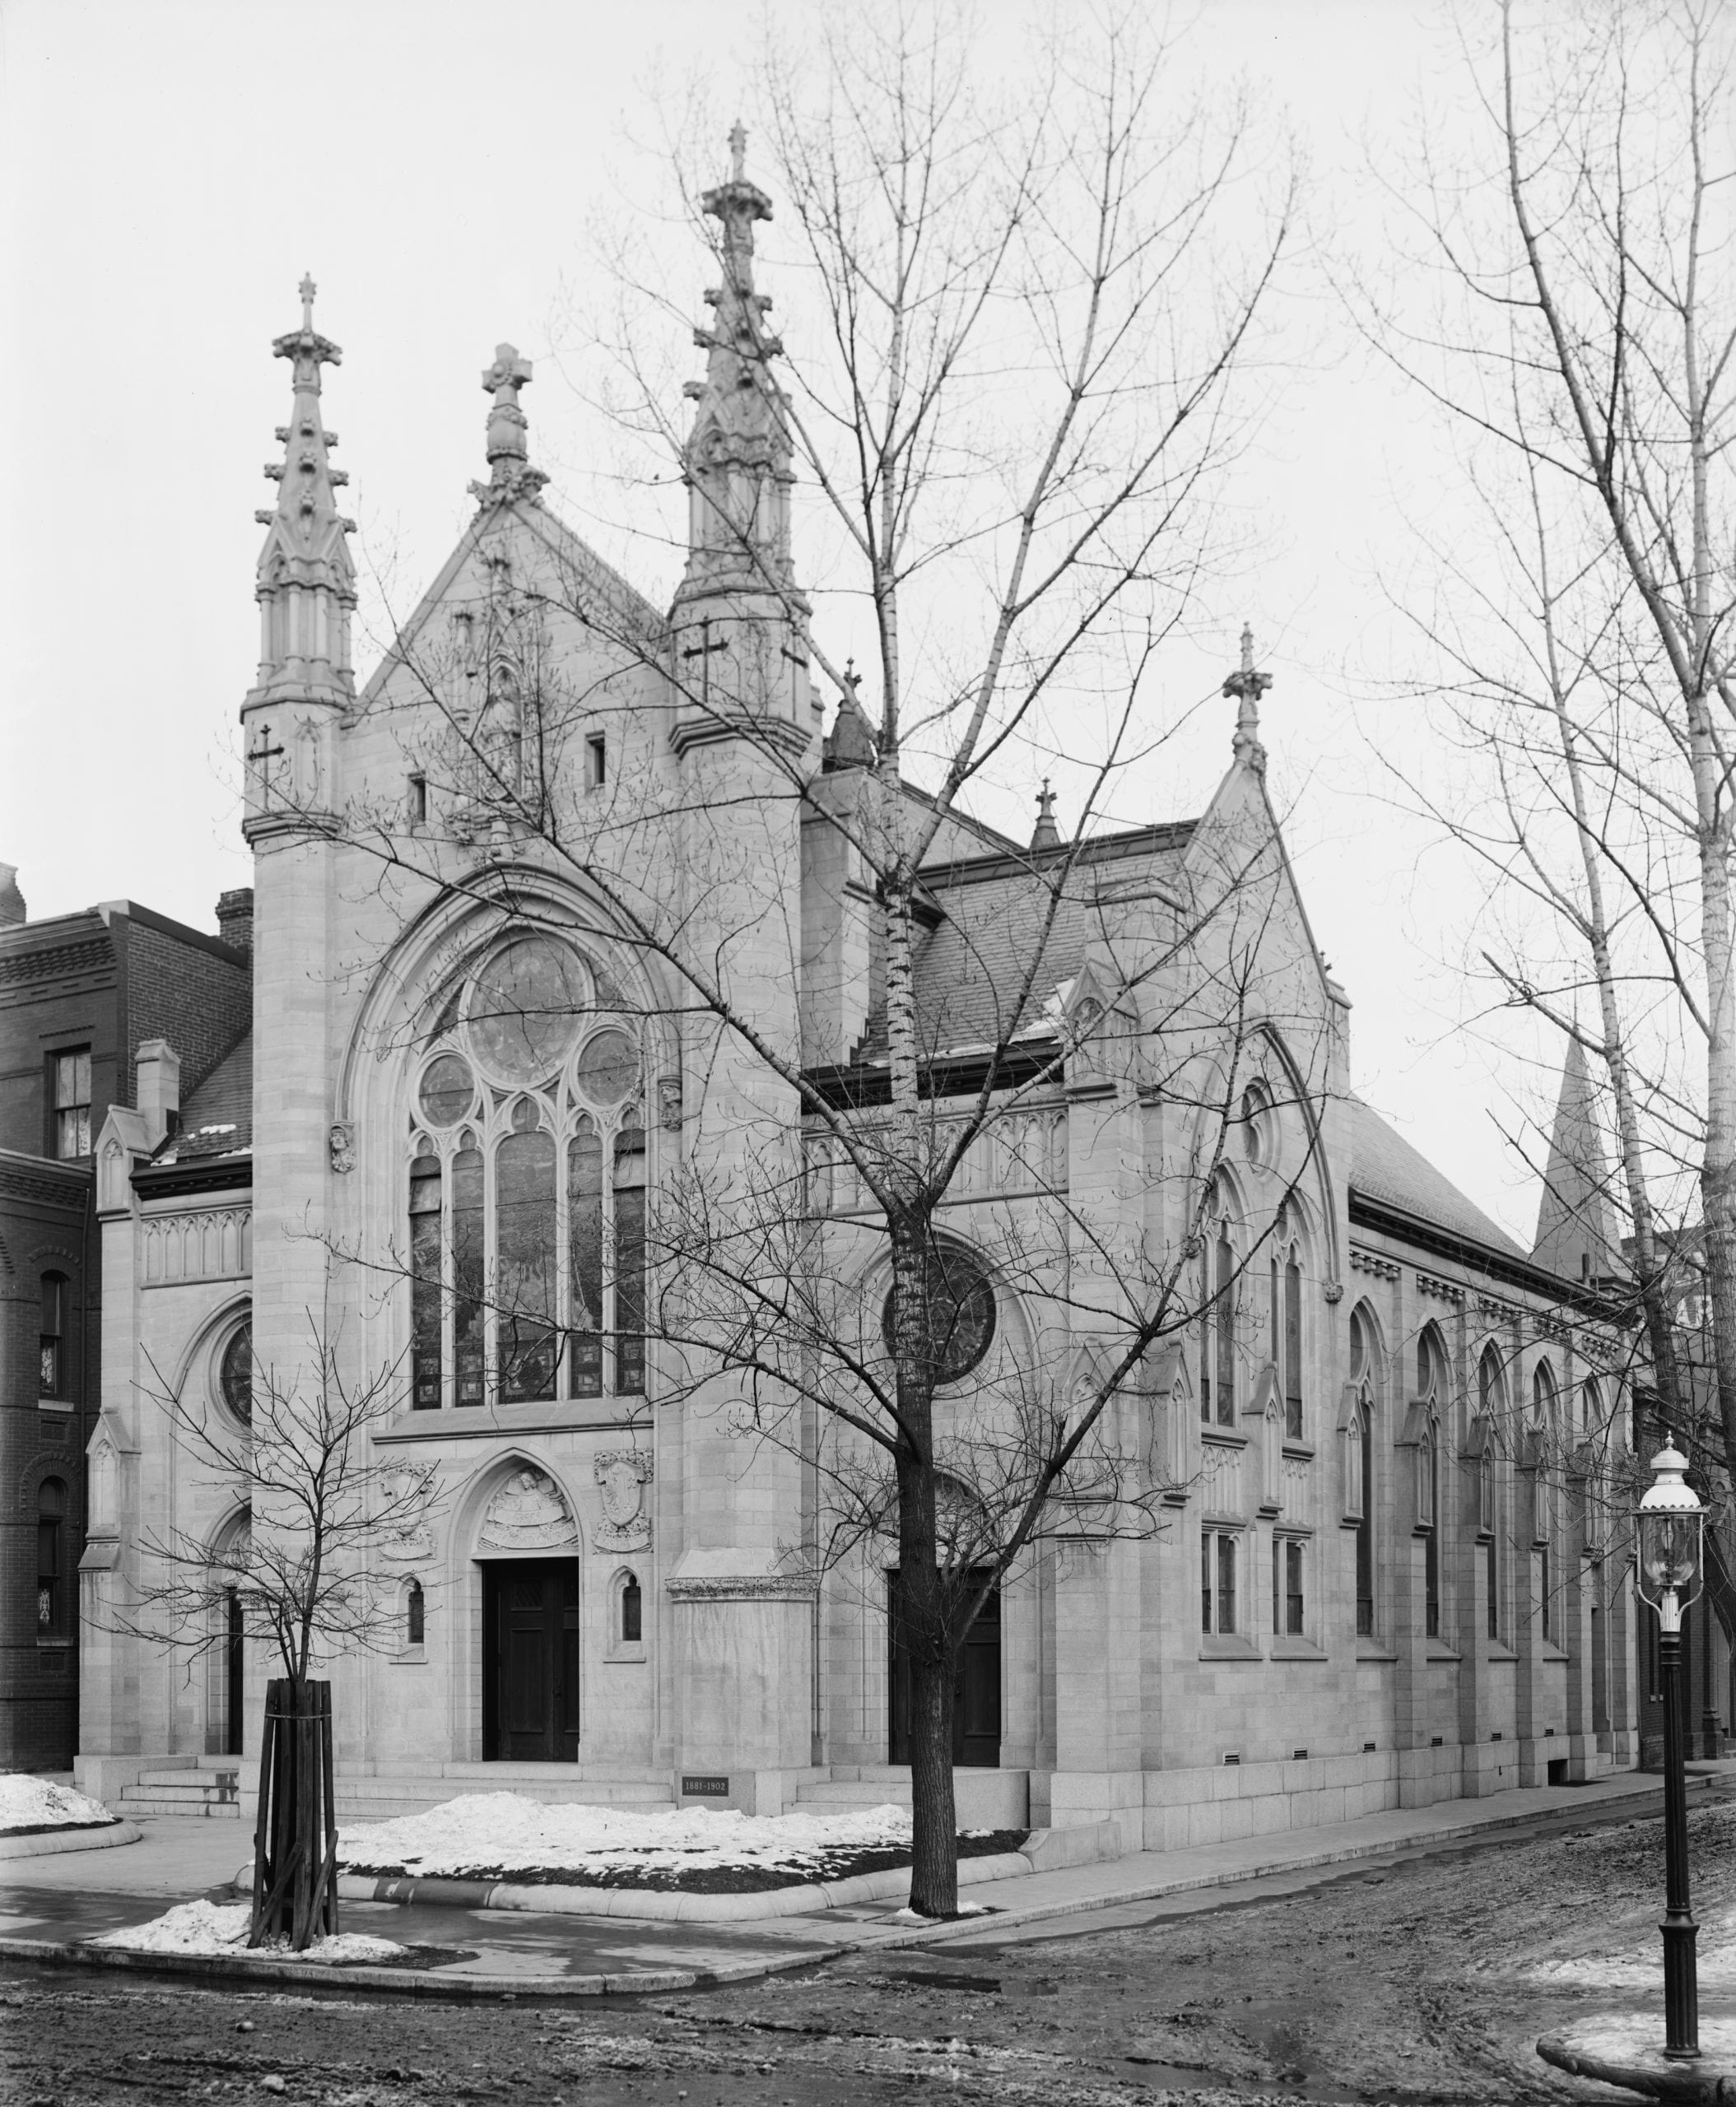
{"x": 51, "y": 1508}
{"x": 53, "y": 1336}
{"x": 595, "y": 762}
{"x": 425, "y": 1300}
{"x": 415, "y": 1616}
{"x": 632, "y": 1611}
{"x": 418, "y": 800}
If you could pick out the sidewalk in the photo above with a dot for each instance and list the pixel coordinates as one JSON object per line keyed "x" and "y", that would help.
{"x": 48, "y": 1906}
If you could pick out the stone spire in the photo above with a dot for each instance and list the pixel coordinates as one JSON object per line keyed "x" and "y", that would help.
{"x": 1577, "y": 1233}
{"x": 1045, "y": 834}
{"x": 510, "y": 472}
{"x": 738, "y": 461}
{"x": 850, "y": 743}
{"x": 305, "y": 581}
{"x": 1246, "y": 686}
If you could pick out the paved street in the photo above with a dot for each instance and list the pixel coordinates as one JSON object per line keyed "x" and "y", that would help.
{"x": 1421, "y": 1976}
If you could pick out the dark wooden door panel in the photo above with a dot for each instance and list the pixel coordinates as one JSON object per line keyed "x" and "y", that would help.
{"x": 976, "y": 1688}
{"x": 531, "y": 1678}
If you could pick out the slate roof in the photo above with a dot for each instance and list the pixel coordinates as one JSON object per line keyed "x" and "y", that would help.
{"x": 1385, "y": 1167}
{"x": 218, "y": 1118}
{"x": 970, "y": 968}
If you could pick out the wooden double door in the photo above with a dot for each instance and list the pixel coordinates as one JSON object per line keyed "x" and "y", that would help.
{"x": 976, "y": 1686}
{"x": 530, "y": 1660}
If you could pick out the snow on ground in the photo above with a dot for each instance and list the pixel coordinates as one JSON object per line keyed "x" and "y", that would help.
{"x": 1639, "y": 1965}
{"x": 216, "y": 1927}
{"x": 485, "y": 1832}
{"x": 35, "y": 1803}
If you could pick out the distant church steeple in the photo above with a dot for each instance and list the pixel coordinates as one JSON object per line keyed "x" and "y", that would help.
{"x": 306, "y": 583}
{"x": 1577, "y": 1232}
{"x": 1246, "y": 686}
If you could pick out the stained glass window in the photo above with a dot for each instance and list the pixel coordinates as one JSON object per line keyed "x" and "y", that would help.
{"x": 960, "y": 1299}
{"x": 525, "y": 1008}
{"x": 449, "y": 1090}
{"x": 236, "y": 1372}
{"x": 527, "y": 1204}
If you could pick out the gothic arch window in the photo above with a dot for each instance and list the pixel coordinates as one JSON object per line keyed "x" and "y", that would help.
{"x": 1217, "y": 1318}
{"x": 1285, "y": 1269}
{"x": 1254, "y": 1119}
{"x": 1359, "y": 1464}
{"x": 1542, "y": 1447}
{"x": 526, "y": 1176}
{"x": 1432, "y": 1393}
{"x": 1492, "y": 1397}
{"x": 962, "y": 1311}
{"x": 415, "y": 1615}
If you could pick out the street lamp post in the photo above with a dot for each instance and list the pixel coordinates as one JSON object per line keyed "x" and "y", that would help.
{"x": 1668, "y": 1528}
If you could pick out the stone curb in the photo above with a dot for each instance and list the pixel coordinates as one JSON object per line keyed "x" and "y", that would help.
{"x": 243, "y": 1967}
{"x": 46, "y": 1843}
{"x": 651, "y": 1905}
{"x": 246, "y": 1968}
{"x": 1627, "y": 2051}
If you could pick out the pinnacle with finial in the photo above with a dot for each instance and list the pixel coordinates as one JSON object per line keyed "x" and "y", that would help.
{"x": 1246, "y": 686}
{"x": 307, "y": 289}
{"x": 737, "y": 152}
{"x": 1045, "y": 834}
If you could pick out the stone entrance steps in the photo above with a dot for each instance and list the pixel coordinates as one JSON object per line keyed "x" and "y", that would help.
{"x": 214, "y": 1791}
{"x": 985, "y": 1799}
{"x": 379, "y": 1792}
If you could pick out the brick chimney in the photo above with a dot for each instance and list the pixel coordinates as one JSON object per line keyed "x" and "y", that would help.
{"x": 158, "y": 1092}
{"x": 11, "y": 900}
{"x": 236, "y": 919}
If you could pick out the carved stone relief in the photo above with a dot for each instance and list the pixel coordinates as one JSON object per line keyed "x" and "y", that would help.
{"x": 528, "y": 1513}
{"x": 623, "y": 1474}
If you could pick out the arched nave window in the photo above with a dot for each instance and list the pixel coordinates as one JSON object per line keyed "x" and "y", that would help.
{"x": 1544, "y": 1428}
{"x": 1432, "y": 1393}
{"x": 1359, "y": 1465}
{"x": 1286, "y": 1321}
{"x": 1218, "y": 1318}
{"x": 526, "y": 1190}
{"x": 1492, "y": 1398}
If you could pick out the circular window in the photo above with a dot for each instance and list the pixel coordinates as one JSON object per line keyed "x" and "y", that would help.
{"x": 236, "y": 1372}
{"x": 608, "y": 1068}
{"x": 524, "y": 1010}
{"x": 447, "y": 1091}
{"x": 961, "y": 1312}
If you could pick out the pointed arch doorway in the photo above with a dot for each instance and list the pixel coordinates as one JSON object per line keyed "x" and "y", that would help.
{"x": 977, "y": 1684}
{"x": 527, "y": 1549}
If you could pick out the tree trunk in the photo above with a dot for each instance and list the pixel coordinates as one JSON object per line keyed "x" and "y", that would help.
{"x": 927, "y": 1637}
{"x": 296, "y": 1830}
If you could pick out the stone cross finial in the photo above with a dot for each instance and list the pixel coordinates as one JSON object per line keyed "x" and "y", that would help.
{"x": 506, "y": 376}
{"x": 307, "y": 289}
{"x": 1246, "y": 686}
{"x": 1046, "y": 834}
{"x": 737, "y": 152}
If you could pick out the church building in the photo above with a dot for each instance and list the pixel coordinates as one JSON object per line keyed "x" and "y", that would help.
{"x": 1382, "y": 1572}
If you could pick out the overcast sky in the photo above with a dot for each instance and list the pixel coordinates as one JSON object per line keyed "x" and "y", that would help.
{"x": 168, "y": 172}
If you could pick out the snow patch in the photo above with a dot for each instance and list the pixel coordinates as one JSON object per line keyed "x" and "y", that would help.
{"x": 908, "y": 1916}
{"x": 28, "y": 1802}
{"x": 503, "y": 1832}
{"x": 221, "y": 1927}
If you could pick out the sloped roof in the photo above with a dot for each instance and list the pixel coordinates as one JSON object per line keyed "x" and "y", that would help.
{"x": 217, "y": 1119}
{"x": 970, "y": 968}
{"x": 1385, "y": 1167}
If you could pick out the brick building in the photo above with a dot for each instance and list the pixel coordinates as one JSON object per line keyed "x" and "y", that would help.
{"x": 113, "y": 1006}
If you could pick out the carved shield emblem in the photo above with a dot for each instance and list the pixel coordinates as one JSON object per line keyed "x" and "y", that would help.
{"x": 621, "y": 1476}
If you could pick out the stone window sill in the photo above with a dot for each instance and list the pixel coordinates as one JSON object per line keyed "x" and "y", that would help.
{"x": 1498, "y": 1650}
{"x": 1288, "y": 1647}
{"x": 626, "y": 1653}
{"x": 1301, "y": 1451}
{"x": 1371, "y": 1650}
{"x": 64, "y": 1406}
{"x": 1225, "y": 1437}
{"x": 411, "y": 1657}
{"x": 1437, "y": 1651}
{"x": 1227, "y": 1646}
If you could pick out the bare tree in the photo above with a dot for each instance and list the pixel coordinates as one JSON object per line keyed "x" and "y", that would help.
{"x": 1582, "y": 347}
{"x": 1008, "y": 412}
{"x": 305, "y": 1570}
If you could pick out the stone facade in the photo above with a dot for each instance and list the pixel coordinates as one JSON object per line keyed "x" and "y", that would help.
{"x": 466, "y": 1079}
